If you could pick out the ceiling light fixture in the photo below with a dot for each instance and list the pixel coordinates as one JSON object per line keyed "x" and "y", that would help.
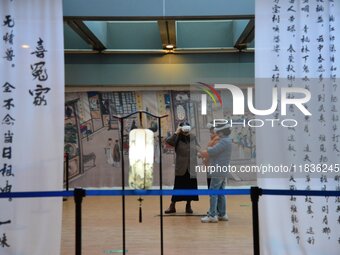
{"x": 169, "y": 46}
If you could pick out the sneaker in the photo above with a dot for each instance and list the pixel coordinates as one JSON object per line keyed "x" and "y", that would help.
{"x": 223, "y": 218}
{"x": 209, "y": 219}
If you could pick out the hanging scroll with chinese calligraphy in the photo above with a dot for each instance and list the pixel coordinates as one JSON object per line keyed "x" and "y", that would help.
{"x": 31, "y": 128}
{"x": 296, "y": 55}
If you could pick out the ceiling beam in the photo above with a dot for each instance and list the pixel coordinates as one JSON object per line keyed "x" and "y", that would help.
{"x": 167, "y": 30}
{"x": 152, "y": 18}
{"x": 161, "y": 52}
{"x": 156, "y": 9}
{"x": 247, "y": 36}
{"x": 86, "y": 34}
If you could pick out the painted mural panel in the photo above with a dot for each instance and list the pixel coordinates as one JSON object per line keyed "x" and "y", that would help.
{"x": 94, "y": 138}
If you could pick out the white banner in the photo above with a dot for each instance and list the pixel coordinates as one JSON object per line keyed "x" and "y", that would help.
{"x": 297, "y": 57}
{"x": 32, "y": 124}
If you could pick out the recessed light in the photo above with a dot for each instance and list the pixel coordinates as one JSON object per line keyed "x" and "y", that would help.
{"x": 25, "y": 46}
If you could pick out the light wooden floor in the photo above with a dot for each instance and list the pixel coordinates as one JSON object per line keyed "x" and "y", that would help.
{"x": 102, "y": 228}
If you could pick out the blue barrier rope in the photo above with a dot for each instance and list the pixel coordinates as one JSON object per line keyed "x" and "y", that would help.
{"x": 183, "y": 192}
{"x": 108, "y": 192}
{"x": 36, "y": 194}
{"x": 321, "y": 193}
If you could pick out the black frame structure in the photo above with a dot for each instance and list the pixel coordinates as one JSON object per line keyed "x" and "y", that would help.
{"x": 121, "y": 120}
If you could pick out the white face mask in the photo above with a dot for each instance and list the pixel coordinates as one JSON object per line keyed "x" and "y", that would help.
{"x": 186, "y": 129}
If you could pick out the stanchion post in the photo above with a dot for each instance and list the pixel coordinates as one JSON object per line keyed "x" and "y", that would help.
{"x": 255, "y": 193}
{"x": 123, "y": 184}
{"x": 160, "y": 183}
{"x": 67, "y": 172}
{"x": 66, "y": 158}
{"x": 78, "y": 198}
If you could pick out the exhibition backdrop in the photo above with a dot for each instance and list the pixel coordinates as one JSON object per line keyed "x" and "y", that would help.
{"x": 91, "y": 132}
{"x": 32, "y": 130}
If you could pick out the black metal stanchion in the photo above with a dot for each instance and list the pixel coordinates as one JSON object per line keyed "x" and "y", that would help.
{"x": 66, "y": 157}
{"x": 255, "y": 193}
{"x": 123, "y": 184}
{"x": 67, "y": 175}
{"x": 78, "y": 198}
{"x": 160, "y": 183}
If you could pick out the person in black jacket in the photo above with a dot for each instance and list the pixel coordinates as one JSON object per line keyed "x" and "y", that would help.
{"x": 183, "y": 142}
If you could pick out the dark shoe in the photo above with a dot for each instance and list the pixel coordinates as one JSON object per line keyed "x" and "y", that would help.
{"x": 171, "y": 209}
{"x": 188, "y": 209}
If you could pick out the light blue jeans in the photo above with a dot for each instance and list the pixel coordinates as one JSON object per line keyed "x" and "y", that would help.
{"x": 217, "y": 202}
